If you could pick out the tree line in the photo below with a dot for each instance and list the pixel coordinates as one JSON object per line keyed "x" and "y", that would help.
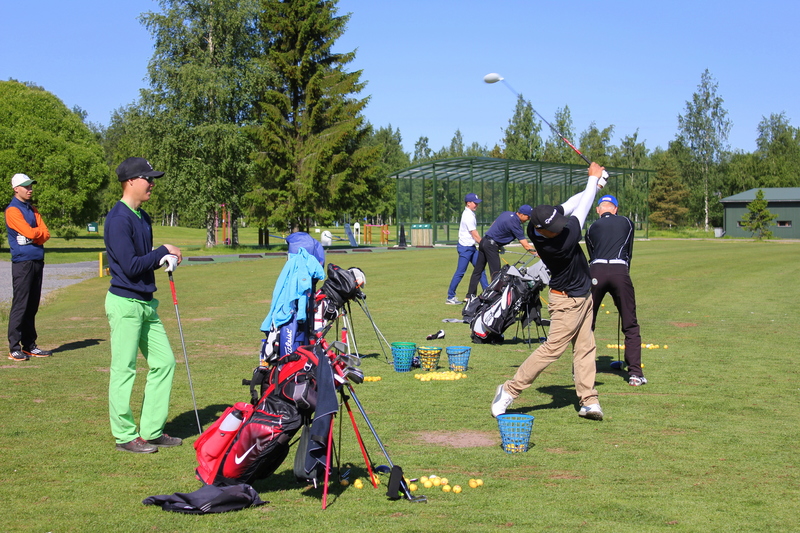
{"x": 249, "y": 106}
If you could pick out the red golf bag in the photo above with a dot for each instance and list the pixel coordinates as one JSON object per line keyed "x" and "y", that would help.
{"x": 231, "y": 452}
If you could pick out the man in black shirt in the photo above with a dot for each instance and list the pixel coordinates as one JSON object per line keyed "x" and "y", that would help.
{"x": 609, "y": 241}
{"x": 556, "y": 236}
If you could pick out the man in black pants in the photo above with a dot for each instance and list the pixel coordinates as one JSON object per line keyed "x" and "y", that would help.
{"x": 504, "y": 229}
{"x": 609, "y": 241}
{"x": 27, "y": 234}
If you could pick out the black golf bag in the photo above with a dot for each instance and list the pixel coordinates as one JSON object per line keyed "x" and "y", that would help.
{"x": 513, "y": 295}
{"x": 341, "y": 286}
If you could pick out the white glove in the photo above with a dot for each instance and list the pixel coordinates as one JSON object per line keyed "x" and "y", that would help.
{"x": 603, "y": 180}
{"x": 22, "y": 240}
{"x": 171, "y": 261}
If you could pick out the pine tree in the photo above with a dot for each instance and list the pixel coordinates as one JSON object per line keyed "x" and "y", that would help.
{"x": 759, "y": 219}
{"x": 313, "y": 164}
{"x": 522, "y": 138}
{"x": 668, "y": 195}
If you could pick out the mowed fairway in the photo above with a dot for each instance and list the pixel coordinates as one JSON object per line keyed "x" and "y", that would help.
{"x": 710, "y": 444}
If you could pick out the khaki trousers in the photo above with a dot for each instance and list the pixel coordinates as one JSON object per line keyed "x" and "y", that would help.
{"x": 570, "y": 322}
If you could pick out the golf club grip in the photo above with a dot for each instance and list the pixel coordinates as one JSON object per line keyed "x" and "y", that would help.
{"x": 172, "y": 288}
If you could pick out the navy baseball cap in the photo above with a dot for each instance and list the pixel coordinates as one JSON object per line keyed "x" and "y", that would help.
{"x": 136, "y": 167}
{"x": 472, "y": 197}
{"x": 549, "y": 218}
{"x": 608, "y": 198}
{"x": 525, "y": 210}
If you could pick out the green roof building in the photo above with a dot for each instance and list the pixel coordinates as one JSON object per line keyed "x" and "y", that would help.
{"x": 781, "y": 201}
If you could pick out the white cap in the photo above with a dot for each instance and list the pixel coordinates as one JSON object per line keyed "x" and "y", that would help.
{"x": 21, "y": 180}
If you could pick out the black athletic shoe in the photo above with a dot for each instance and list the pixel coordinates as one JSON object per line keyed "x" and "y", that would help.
{"x": 35, "y": 351}
{"x": 438, "y": 335}
{"x": 17, "y": 355}
{"x": 137, "y": 445}
{"x": 165, "y": 441}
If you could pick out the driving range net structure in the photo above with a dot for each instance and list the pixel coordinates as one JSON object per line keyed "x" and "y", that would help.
{"x": 430, "y": 195}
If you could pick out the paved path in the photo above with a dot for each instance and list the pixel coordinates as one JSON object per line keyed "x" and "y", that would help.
{"x": 55, "y": 276}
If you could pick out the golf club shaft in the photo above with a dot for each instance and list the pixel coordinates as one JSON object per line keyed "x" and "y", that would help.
{"x": 561, "y": 135}
{"x": 367, "y": 459}
{"x": 183, "y": 344}
{"x": 403, "y": 484}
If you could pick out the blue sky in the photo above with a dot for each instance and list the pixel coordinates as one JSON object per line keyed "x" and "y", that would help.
{"x": 630, "y": 64}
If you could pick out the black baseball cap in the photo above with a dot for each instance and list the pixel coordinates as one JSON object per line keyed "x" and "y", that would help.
{"x": 136, "y": 167}
{"x": 549, "y": 218}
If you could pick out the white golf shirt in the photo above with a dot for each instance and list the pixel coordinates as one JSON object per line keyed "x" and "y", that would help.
{"x": 469, "y": 222}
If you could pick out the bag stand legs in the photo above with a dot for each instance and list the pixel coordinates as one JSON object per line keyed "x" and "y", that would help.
{"x": 367, "y": 461}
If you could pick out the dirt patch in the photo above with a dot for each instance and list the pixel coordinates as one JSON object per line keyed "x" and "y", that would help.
{"x": 459, "y": 439}
{"x": 201, "y": 319}
{"x": 564, "y": 475}
{"x": 683, "y": 324}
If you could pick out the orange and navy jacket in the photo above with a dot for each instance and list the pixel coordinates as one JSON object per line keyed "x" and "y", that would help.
{"x": 24, "y": 219}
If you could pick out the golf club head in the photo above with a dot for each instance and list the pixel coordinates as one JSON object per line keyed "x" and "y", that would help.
{"x": 339, "y": 346}
{"x": 617, "y": 365}
{"x": 356, "y": 375}
{"x": 492, "y": 77}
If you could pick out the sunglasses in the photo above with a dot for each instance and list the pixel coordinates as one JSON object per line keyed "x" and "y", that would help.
{"x": 149, "y": 179}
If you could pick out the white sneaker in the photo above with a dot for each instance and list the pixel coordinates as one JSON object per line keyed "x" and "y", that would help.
{"x": 501, "y": 401}
{"x": 592, "y": 412}
{"x": 453, "y": 301}
{"x": 637, "y": 381}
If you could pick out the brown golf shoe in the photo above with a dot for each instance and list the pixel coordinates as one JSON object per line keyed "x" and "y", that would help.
{"x": 165, "y": 441}
{"x": 137, "y": 445}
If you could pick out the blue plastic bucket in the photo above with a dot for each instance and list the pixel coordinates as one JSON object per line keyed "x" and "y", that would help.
{"x": 402, "y": 354}
{"x": 458, "y": 357}
{"x": 515, "y": 431}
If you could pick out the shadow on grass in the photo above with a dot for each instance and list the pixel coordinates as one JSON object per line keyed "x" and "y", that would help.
{"x": 604, "y": 367}
{"x": 77, "y": 345}
{"x": 561, "y": 396}
{"x": 286, "y": 480}
{"x": 185, "y": 424}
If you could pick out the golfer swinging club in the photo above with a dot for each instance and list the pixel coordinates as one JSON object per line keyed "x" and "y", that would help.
{"x": 556, "y": 236}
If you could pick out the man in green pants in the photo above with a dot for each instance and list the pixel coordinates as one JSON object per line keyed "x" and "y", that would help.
{"x": 133, "y": 316}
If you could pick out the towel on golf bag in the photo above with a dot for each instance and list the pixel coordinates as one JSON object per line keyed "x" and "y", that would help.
{"x": 208, "y": 499}
{"x": 288, "y": 319}
{"x": 327, "y": 405}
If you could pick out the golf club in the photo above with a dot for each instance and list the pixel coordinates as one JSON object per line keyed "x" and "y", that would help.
{"x": 493, "y": 77}
{"x": 185, "y": 358}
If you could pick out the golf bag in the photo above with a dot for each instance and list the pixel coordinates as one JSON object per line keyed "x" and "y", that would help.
{"x": 259, "y": 442}
{"x": 341, "y": 286}
{"x": 511, "y": 296}
{"x": 287, "y": 326}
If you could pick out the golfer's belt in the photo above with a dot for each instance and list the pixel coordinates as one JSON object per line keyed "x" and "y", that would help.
{"x": 609, "y": 262}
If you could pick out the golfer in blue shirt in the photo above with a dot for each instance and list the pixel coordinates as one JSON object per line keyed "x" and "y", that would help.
{"x": 505, "y": 228}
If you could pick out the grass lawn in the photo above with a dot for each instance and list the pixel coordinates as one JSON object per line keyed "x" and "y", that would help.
{"x": 709, "y": 444}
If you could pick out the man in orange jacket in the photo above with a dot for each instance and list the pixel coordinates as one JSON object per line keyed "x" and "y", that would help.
{"x": 27, "y": 234}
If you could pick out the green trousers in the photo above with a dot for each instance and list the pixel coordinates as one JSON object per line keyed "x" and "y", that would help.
{"x": 135, "y": 326}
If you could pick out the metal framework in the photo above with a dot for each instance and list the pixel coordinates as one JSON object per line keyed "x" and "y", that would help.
{"x": 433, "y": 192}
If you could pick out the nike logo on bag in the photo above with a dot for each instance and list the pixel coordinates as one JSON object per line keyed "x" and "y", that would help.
{"x": 238, "y": 459}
